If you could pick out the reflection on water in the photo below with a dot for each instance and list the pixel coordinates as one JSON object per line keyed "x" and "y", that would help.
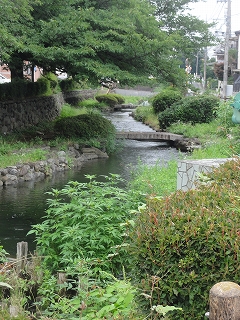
{"x": 25, "y": 205}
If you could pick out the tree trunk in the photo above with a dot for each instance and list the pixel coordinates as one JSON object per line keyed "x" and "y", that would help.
{"x": 225, "y": 301}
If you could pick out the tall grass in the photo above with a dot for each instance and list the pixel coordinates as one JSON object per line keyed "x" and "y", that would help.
{"x": 160, "y": 179}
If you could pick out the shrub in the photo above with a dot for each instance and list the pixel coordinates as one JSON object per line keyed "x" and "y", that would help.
{"x": 198, "y": 109}
{"x": 21, "y": 88}
{"x": 85, "y": 126}
{"x": 185, "y": 243}
{"x": 165, "y": 99}
{"x": 43, "y": 86}
{"x": 68, "y": 84}
{"x": 110, "y": 99}
{"x": 86, "y": 221}
{"x": 88, "y": 127}
{"x": 52, "y": 78}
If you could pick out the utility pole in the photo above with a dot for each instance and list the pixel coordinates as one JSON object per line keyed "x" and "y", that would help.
{"x": 197, "y": 65}
{"x": 205, "y": 69}
{"x": 227, "y": 36}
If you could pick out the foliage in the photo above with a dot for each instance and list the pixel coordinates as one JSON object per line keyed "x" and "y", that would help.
{"x": 189, "y": 241}
{"x": 147, "y": 116}
{"x": 89, "y": 224}
{"x": 88, "y": 40}
{"x": 114, "y": 301}
{"x": 3, "y": 255}
{"x": 53, "y": 80}
{"x": 86, "y": 127}
{"x": 68, "y": 84}
{"x": 92, "y": 104}
{"x": 110, "y": 99}
{"x": 21, "y": 88}
{"x": 69, "y": 111}
{"x": 165, "y": 99}
{"x": 196, "y": 109}
{"x": 12, "y": 292}
{"x": 159, "y": 179}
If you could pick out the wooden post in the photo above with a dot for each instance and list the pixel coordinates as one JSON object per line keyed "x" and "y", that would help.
{"x": 225, "y": 301}
{"x": 22, "y": 251}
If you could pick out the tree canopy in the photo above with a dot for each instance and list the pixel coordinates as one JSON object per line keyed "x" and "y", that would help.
{"x": 89, "y": 39}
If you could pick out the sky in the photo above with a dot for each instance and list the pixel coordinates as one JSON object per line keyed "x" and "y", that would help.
{"x": 214, "y": 10}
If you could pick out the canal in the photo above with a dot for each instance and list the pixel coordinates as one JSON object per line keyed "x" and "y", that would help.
{"x": 25, "y": 205}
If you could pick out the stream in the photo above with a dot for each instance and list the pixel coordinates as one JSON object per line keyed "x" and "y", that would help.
{"x": 23, "y": 206}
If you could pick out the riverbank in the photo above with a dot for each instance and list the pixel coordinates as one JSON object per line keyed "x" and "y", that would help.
{"x": 217, "y": 139}
{"x": 56, "y": 161}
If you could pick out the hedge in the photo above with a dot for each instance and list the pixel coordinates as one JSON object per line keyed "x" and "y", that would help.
{"x": 185, "y": 243}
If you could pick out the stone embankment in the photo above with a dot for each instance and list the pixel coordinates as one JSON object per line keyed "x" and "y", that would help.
{"x": 56, "y": 161}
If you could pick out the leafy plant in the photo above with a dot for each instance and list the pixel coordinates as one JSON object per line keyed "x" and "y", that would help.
{"x": 86, "y": 220}
{"x": 165, "y": 99}
{"x": 189, "y": 241}
{"x": 198, "y": 109}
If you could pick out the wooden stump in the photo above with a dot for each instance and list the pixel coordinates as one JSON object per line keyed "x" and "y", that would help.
{"x": 22, "y": 251}
{"x": 225, "y": 301}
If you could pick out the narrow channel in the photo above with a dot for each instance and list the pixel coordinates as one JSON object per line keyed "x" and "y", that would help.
{"x": 25, "y": 205}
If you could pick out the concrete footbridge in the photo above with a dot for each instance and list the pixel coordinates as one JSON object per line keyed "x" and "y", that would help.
{"x": 149, "y": 136}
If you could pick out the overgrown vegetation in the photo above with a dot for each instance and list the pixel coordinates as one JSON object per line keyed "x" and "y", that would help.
{"x": 136, "y": 255}
{"x": 188, "y": 241}
{"x": 91, "y": 219}
{"x": 87, "y": 127}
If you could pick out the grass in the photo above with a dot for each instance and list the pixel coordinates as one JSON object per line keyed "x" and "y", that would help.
{"x": 69, "y": 111}
{"x": 147, "y": 115}
{"x": 159, "y": 179}
{"x": 219, "y": 139}
{"x": 23, "y": 156}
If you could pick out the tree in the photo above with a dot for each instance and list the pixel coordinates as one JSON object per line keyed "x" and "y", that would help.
{"x": 191, "y": 34}
{"x": 89, "y": 39}
{"x": 17, "y": 14}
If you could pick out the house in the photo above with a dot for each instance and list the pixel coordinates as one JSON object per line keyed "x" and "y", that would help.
{"x": 27, "y": 72}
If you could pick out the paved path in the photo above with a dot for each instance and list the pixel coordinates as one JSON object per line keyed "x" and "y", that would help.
{"x": 135, "y": 93}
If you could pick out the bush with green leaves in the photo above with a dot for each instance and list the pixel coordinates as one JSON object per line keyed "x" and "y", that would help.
{"x": 111, "y": 99}
{"x": 86, "y": 221}
{"x": 3, "y": 254}
{"x": 68, "y": 84}
{"x": 165, "y": 99}
{"x": 186, "y": 242}
{"x": 87, "y": 127}
{"x": 91, "y": 104}
{"x": 196, "y": 109}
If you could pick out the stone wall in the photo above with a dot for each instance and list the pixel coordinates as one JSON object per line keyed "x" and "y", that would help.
{"x": 56, "y": 161}
{"x": 188, "y": 171}
{"x": 20, "y": 114}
